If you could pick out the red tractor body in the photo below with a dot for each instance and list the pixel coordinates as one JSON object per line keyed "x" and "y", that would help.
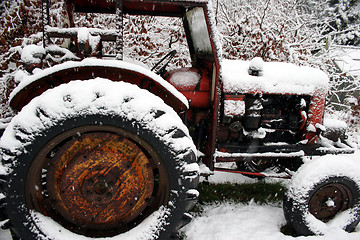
{"x": 221, "y": 95}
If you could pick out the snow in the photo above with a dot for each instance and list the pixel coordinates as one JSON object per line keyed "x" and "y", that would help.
{"x": 321, "y": 167}
{"x": 75, "y": 31}
{"x": 32, "y": 54}
{"x": 311, "y": 128}
{"x": 145, "y": 231}
{"x": 225, "y": 177}
{"x": 259, "y": 133}
{"x": 331, "y": 123}
{"x": 218, "y": 221}
{"x": 192, "y": 167}
{"x": 97, "y": 95}
{"x": 99, "y": 62}
{"x": 327, "y": 165}
{"x": 230, "y": 221}
{"x": 347, "y": 59}
{"x": 320, "y": 127}
{"x": 316, "y": 171}
{"x": 257, "y": 65}
{"x": 330, "y": 203}
{"x": 183, "y": 79}
{"x": 256, "y": 155}
{"x": 276, "y": 78}
{"x": 4, "y": 122}
{"x": 239, "y": 221}
{"x": 84, "y": 36}
{"x": 193, "y": 192}
{"x": 234, "y": 108}
{"x": 66, "y": 54}
{"x": 204, "y": 170}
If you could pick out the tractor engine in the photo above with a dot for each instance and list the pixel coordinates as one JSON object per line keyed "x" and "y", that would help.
{"x": 269, "y": 117}
{"x": 271, "y": 103}
{"x": 270, "y": 112}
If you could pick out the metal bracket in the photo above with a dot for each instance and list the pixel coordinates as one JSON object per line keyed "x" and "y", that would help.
{"x": 120, "y": 30}
{"x": 45, "y": 21}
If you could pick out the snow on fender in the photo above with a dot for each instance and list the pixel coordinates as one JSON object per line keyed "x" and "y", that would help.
{"x": 324, "y": 195}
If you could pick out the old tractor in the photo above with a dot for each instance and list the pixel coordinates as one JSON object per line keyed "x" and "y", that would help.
{"x": 103, "y": 148}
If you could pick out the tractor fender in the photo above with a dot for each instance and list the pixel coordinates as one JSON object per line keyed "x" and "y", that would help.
{"x": 115, "y": 70}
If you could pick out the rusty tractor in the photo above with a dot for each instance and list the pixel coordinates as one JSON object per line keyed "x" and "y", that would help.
{"x": 100, "y": 147}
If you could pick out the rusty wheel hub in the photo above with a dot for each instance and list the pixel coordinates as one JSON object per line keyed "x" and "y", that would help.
{"x": 97, "y": 178}
{"x": 330, "y": 200}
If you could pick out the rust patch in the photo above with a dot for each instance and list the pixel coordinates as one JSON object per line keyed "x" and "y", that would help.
{"x": 100, "y": 180}
{"x": 97, "y": 180}
{"x": 330, "y": 200}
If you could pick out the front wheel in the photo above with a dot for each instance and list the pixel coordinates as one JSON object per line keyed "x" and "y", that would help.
{"x": 104, "y": 159}
{"x": 324, "y": 194}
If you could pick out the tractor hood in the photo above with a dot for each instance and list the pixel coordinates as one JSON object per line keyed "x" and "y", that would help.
{"x": 259, "y": 77}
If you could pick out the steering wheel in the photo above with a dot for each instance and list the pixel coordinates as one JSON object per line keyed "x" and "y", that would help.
{"x": 160, "y": 66}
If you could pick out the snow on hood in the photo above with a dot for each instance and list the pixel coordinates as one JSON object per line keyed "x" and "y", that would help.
{"x": 275, "y": 77}
{"x": 99, "y": 62}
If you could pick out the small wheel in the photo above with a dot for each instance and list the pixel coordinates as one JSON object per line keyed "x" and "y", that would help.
{"x": 97, "y": 163}
{"x": 323, "y": 194}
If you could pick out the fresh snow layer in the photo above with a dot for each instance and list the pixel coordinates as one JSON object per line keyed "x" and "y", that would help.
{"x": 32, "y": 54}
{"x": 319, "y": 169}
{"x": 314, "y": 172}
{"x": 330, "y": 123}
{"x": 347, "y": 59}
{"x": 230, "y": 221}
{"x": 234, "y": 108}
{"x": 257, "y": 64}
{"x": 99, "y": 62}
{"x": 147, "y": 230}
{"x": 91, "y": 97}
{"x": 276, "y": 78}
{"x": 185, "y": 79}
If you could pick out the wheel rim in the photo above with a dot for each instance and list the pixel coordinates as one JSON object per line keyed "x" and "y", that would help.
{"x": 97, "y": 181}
{"x": 330, "y": 200}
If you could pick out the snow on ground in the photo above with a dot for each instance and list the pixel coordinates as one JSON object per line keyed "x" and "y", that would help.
{"x": 229, "y": 221}
{"x": 4, "y": 235}
{"x": 236, "y": 221}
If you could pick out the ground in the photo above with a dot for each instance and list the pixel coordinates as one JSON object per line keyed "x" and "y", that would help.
{"x": 230, "y": 221}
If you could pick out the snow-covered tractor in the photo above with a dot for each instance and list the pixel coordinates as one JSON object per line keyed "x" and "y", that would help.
{"x": 102, "y": 148}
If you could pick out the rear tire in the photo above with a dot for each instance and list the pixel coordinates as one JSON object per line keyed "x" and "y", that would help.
{"x": 324, "y": 194}
{"x": 92, "y": 158}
